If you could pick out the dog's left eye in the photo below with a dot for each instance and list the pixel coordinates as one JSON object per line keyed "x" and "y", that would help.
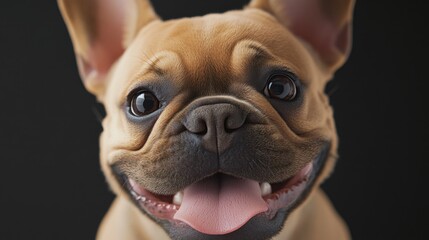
{"x": 281, "y": 87}
{"x": 143, "y": 103}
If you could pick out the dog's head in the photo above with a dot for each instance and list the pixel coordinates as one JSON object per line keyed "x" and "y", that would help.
{"x": 218, "y": 126}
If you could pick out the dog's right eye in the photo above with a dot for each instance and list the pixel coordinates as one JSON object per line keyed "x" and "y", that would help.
{"x": 281, "y": 86}
{"x": 143, "y": 103}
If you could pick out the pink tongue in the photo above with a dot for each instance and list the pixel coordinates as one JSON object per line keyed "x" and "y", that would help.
{"x": 220, "y": 205}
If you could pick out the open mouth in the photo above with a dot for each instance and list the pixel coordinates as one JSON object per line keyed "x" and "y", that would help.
{"x": 221, "y": 203}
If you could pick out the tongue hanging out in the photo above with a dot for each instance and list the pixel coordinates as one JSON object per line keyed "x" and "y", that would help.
{"x": 220, "y": 204}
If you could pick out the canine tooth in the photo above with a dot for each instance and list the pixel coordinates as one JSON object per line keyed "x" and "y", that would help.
{"x": 178, "y": 197}
{"x": 135, "y": 195}
{"x": 265, "y": 189}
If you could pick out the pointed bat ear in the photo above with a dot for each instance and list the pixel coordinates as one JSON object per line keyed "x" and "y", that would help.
{"x": 100, "y": 31}
{"x": 324, "y": 24}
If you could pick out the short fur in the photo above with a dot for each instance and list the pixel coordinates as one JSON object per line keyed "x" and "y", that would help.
{"x": 221, "y": 61}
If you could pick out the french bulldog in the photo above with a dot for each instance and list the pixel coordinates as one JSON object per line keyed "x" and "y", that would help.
{"x": 216, "y": 127}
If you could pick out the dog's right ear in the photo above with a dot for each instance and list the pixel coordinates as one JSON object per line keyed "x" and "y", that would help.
{"x": 100, "y": 31}
{"x": 326, "y": 25}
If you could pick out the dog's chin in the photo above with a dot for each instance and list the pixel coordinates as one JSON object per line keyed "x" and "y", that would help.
{"x": 278, "y": 198}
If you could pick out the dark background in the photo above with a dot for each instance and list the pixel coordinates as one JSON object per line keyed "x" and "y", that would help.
{"x": 51, "y": 186}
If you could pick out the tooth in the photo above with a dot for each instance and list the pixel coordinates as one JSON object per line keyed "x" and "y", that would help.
{"x": 265, "y": 189}
{"x": 178, "y": 197}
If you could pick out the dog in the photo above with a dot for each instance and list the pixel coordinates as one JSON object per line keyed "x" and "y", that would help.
{"x": 216, "y": 127}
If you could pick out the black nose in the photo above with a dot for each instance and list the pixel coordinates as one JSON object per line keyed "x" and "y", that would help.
{"x": 215, "y": 125}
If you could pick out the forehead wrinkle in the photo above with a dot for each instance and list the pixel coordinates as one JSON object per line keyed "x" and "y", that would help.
{"x": 248, "y": 54}
{"x": 203, "y": 65}
{"x": 151, "y": 66}
{"x": 158, "y": 65}
{"x": 257, "y": 50}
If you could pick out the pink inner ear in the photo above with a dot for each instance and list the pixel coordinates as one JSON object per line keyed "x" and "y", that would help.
{"x": 106, "y": 43}
{"x": 343, "y": 39}
{"x": 307, "y": 20}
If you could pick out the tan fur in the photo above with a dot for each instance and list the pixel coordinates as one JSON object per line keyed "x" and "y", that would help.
{"x": 188, "y": 52}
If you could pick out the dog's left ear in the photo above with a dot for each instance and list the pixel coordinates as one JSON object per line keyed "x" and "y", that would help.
{"x": 324, "y": 24}
{"x": 101, "y": 30}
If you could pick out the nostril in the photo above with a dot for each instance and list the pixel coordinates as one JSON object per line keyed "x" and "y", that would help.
{"x": 196, "y": 126}
{"x": 200, "y": 128}
{"x": 228, "y": 127}
{"x": 234, "y": 121}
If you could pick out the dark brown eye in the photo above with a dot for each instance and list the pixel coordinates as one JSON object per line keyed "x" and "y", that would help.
{"x": 281, "y": 87}
{"x": 143, "y": 103}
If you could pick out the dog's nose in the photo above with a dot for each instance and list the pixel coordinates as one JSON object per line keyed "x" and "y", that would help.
{"x": 214, "y": 125}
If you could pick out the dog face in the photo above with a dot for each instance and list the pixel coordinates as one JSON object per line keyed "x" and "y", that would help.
{"x": 217, "y": 127}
